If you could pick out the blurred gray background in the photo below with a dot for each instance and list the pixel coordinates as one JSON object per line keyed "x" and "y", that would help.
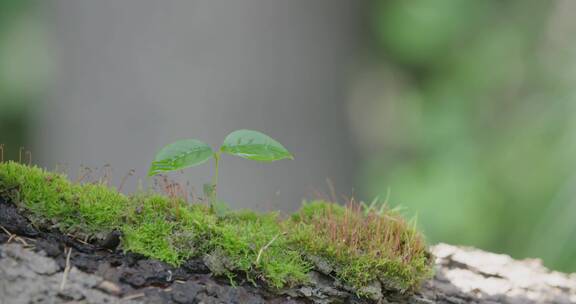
{"x": 136, "y": 75}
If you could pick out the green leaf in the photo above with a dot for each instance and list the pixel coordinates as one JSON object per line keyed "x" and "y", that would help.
{"x": 179, "y": 155}
{"x": 255, "y": 146}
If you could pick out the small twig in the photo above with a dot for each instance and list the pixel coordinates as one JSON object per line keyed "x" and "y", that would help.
{"x": 27, "y": 242}
{"x": 1, "y": 153}
{"x": 266, "y": 247}
{"x": 66, "y": 270}
{"x": 12, "y": 236}
{"x": 5, "y": 230}
{"x": 20, "y": 154}
{"x": 29, "y": 239}
{"x": 106, "y": 176}
{"x": 29, "y": 155}
{"x": 85, "y": 241}
{"x": 133, "y": 296}
{"x": 130, "y": 173}
{"x": 21, "y": 240}
{"x": 85, "y": 171}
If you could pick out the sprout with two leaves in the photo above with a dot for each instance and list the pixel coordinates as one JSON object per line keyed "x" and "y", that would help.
{"x": 187, "y": 153}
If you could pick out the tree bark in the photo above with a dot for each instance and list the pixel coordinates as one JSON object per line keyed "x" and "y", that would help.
{"x": 468, "y": 275}
{"x": 462, "y": 275}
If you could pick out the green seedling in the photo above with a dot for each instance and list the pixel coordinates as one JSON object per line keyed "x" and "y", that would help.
{"x": 187, "y": 153}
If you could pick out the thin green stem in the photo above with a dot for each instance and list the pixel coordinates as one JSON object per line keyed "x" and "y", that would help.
{"x": 215, "y": 179}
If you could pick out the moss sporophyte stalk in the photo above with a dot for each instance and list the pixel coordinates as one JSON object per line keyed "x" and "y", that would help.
{"x": 355, "y": 244}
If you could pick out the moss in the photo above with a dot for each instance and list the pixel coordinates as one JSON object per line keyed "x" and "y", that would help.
{"x": 360, "y": 246}
{"x": 52, "y": 200}
{"x": 153, "y": 229}
{"x": 257, "y": 245}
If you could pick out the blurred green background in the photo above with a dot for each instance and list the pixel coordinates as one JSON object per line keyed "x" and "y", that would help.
{"x": 476, "y": 122}
{"x": 24, "y": 72}
{"x": 462, "y": 111}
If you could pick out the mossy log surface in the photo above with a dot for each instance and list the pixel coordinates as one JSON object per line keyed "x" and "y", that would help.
{"x": 86, "y": 242}
{"x": 321, "y": 252}
{"x": 463, "y": 275}
{"x": 33, "y": 264}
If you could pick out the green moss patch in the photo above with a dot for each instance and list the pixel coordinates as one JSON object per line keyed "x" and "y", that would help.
{"x": 252, "y": 241}
{"x": 359, "y": 246}
{"x": 53, "y": 201}
{"x": 362, "y": 246}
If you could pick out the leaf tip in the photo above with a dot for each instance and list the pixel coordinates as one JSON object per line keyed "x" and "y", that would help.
{"x": 152, "y": 172}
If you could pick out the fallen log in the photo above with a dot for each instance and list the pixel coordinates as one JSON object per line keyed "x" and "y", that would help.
{"x": 462, "y": 275}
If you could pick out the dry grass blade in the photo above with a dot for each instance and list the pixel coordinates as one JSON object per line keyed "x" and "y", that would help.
{"x": 264, "y": 248}
{"x": 11, "y": 236}
{"x": 5, "y": 230}
{"x": 125, "y": 178}
{"x": 133, "y": 296}
{"x": 66, "y": 270}
{"x": 21, "y": 240}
